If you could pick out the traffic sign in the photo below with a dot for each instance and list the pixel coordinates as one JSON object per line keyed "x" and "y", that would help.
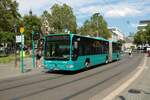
{"x": 21, "y": 29}
{"x": 18, "y": 39}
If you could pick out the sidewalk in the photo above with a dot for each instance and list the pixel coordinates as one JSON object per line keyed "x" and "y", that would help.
{"x": 9, "y": 70}
{"x": 140, "y": 89}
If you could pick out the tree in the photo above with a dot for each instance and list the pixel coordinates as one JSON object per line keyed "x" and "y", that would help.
{"x": 9, "y": 17}
{"x": 68, "y": 19}
{"x": 85, "y": 29}
{"x": 142, "y": 37}
{"x": 31, "y": 22}
{"x": 148, "y": 33}
{"x": 8, "y": 13}
{"x": 96, "y": 26}
{"x": 47, "y": 23}
{"x": 61, "y": 18}
{"x": 121, "y": 42}
{"x": 7, "y": 37}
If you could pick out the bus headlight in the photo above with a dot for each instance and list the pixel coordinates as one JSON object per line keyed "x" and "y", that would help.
{"x": 70, "y": 66}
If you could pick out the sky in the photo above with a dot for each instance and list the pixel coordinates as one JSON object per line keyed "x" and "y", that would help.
{"x": 124, "y": 14}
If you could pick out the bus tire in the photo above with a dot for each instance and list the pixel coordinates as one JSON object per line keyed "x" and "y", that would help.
{"x": 117, "y": 57}
{"x": 106, "y": 61}
{"x": 87, "y": 63}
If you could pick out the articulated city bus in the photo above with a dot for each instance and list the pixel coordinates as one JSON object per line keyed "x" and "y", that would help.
{"x": 71, "y": 52}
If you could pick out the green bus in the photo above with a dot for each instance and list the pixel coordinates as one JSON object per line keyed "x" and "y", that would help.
{"x": 72, "y": 52}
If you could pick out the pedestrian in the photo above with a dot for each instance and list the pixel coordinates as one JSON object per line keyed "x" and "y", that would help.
{"x": 17, "y": 60}
{"x": 130, "y": 53}
{"x": 38, "y": 58}
{"x": 148, "y": 53}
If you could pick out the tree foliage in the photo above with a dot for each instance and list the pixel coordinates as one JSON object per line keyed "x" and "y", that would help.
{"x": 95, "y": 26}
{"x": 121, "y": 42}
{"x": 9, "y": 17}
{"x": 9, "y": 13}
{"x": 31, "y": 22}
{"x": 61, "y": 18}
{"x": 7, "y": 37}
{"x": 142, "y": 37}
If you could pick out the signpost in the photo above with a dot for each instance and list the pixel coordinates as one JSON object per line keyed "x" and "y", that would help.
{"x": 33, "y": 55}
{"x": 18, "y": 39}
{"x": 22, "y": 45}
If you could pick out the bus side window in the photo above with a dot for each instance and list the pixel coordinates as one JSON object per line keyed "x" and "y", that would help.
{"x": 75, "y": 50}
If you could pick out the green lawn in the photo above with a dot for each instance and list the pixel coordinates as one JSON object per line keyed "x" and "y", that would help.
{"x": 8, "y": 59}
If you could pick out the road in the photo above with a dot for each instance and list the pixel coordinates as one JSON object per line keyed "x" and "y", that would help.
{"x": 60, "y": 86}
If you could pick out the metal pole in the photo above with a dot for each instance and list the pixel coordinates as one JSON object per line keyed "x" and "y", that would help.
{"x": 22, "y": 63}
{"x": 97, "y": 23}
{"x": 33, "y": 55}
{"x": 15, "y": 30}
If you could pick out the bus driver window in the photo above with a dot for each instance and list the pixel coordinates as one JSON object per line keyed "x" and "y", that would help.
{"x": 75, "y": 49}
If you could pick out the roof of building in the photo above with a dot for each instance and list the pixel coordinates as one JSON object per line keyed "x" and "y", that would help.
{"x": 144, "y": 21}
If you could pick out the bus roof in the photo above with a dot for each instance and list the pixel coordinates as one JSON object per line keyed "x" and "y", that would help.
{"x": 98, "y": 38}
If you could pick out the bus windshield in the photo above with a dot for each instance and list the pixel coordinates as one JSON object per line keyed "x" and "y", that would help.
{"x": 57, "y": 48}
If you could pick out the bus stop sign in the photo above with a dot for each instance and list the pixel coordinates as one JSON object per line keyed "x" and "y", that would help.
{"x": 21, "y": 29}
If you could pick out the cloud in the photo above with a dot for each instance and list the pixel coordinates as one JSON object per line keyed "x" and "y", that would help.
{"x": 89, "y": 9}
{"x": 121, "y": 11}
{"x": 37, "y": 6}
{"x": 134, "y": 25}
{"x": 113, "y": 8}
{"x": 117, "y": 10}
{"x": 83, "y": 9}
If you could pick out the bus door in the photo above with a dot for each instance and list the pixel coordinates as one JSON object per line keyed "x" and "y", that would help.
{"x": 110, "y": 51}
{"x": 75, "y": 49}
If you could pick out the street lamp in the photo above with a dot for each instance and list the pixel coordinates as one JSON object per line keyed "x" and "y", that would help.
{"x": 97, "y": 14}
{"x": 33, "y": 53}
{"x": 30, "y": 12}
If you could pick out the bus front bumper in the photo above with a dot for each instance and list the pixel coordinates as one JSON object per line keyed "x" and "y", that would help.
{"x": 58, "y": 66}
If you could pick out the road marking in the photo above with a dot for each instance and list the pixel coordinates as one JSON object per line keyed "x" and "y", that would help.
{"x": 117, "y": 91}
{"x": 127, "y": 83}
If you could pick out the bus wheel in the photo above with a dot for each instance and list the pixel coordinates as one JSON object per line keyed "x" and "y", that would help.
{"x": 117, "y": 57}
{"x": 87, "y": 63}
{"x": 106, "y": 61}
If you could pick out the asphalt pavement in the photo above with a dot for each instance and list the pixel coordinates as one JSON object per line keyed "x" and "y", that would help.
{"x": 140, "y": 88}
{"x": 82, "y": 85}
{"x": 9, "y": 70}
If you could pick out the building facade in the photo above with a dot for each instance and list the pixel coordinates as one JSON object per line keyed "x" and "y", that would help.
{"x": 143, "y": 24}
{"x": 116, "y": 34}
{"x": 129, "y": 43}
